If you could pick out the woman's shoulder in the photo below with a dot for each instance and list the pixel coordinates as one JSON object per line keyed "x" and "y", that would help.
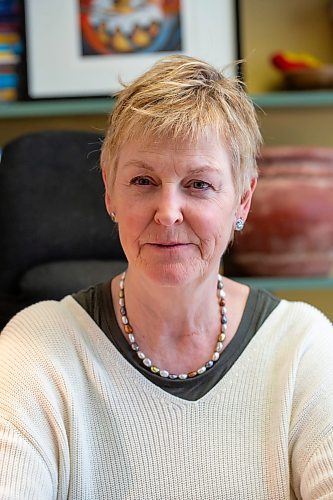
{"x": 306, "y": 315}
{"x": 295, "y": 312}
{"x": 47, "y": 337}
{"x": 44, "y": 321}
{"x": 285, "y": 321}
{"x": 299, "y": 330}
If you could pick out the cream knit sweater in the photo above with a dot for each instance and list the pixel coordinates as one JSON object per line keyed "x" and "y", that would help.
{"x": 77, "y": 421}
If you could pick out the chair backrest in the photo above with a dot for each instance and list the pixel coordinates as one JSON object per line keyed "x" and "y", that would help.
{"x": 52, "y": 204}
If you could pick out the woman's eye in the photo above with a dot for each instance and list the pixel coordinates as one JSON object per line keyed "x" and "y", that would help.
{"x": 200, "y": 185}
{"x": 141, "y": 181}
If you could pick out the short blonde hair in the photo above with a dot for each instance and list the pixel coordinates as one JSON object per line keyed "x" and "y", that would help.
{"x": 180, "y": 97}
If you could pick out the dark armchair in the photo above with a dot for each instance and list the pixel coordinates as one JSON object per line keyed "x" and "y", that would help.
{"x": 56, "y": 236}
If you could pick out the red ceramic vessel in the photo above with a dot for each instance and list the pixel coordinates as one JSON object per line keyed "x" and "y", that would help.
{"x": 289, "y": 231}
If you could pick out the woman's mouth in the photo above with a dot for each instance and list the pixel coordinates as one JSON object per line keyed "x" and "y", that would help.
{"x": 170, "y": 246}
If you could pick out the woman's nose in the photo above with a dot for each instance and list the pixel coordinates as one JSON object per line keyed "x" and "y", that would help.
{"x": 169, "y": 209}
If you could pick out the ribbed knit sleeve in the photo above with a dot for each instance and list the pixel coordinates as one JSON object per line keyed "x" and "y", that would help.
{"x": 317, "y": 482}
{"x": 311, "y": 422}
{"x": 23, "y": 473}
{"x": 33, "y": 441}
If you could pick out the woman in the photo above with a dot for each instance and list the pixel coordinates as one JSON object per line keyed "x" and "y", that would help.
{"x": 171, "y": 381}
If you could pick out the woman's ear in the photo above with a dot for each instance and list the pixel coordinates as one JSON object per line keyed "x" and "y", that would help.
{"x": 246, "y": 199}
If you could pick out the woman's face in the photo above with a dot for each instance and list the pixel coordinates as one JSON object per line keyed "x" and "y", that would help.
{"x": 176, "y": 206}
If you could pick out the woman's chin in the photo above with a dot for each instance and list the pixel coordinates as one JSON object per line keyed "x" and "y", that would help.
{"x": 171, "y": 274}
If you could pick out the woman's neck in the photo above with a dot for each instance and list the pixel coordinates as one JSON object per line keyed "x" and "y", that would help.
{"x": 177, "y": 327}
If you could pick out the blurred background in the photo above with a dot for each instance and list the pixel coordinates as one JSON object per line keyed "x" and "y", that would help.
{"x": 287, "y": 47}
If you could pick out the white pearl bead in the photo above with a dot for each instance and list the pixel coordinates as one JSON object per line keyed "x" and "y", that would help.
{"x": 141, "y": 355}
{"x": 182, "y": 376}
{"x": 131, "y": 338}
{"x": 222, "y": 294}
{"x": 122, "y": 302}
{"x": 201, "y": 370}
{"x": 219, "y": 347}
{"x": 147, "y": 362}
{"x": 124, "y": 320}
{"x": 215, "y": 356}
{"x": 164, "y": 373}
{"x": 121, "y": 285}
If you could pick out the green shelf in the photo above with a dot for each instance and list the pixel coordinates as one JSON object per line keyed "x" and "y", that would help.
{"x": 295, "y": 99}
{"x": 292, "y": 283}
{"x": 99, "y": 105}
{"x": 56, "y": 107}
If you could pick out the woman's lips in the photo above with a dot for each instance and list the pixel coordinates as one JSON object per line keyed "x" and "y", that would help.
{"x": 170, "y": 246}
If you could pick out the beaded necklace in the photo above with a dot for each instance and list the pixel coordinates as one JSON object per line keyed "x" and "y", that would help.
{"x": 129, "y": 334}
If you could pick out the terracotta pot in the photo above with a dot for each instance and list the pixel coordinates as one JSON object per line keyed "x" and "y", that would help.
{"x": 289, "y": 231}
{"x": 310, "y": 78}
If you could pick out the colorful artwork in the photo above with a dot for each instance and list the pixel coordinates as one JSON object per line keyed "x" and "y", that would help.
{"x": 129, "y": 26}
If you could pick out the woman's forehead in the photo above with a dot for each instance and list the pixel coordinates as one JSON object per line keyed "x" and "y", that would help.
{"x": 181, "y": 157}
{"x": 206, "y": 147}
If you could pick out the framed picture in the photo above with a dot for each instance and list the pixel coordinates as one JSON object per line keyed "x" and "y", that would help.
{"x": 87, "y": 47}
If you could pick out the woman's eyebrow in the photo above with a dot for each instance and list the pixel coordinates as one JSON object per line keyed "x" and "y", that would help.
{"x": 205, "y": 169}
{"x": 194, "y": 170}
